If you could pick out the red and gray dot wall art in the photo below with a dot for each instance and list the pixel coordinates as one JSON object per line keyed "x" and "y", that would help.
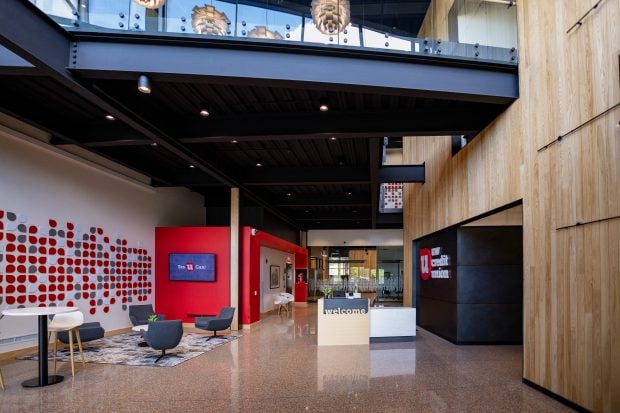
{"x": 65, "y": 264}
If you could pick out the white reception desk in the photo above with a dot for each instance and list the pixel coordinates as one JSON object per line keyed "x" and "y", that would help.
{"x": 342, "y": 321}
{"x": 392, "y": 324}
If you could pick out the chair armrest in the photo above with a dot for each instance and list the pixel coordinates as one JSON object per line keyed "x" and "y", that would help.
{"x": 133, "y": 320}
{"x": 203, "y": 319}
{"x": 161, "y": 317}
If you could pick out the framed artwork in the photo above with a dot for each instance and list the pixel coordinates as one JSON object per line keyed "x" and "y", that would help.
{"x": 274, "y": 276}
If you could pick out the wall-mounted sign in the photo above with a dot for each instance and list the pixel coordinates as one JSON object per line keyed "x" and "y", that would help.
{"x": 345, "y": 306}
{"x": 432, "y": 262}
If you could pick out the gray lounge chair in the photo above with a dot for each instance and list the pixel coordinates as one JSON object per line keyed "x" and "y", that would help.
{"x": 139, "y": 314}
{"x": 164, "y": 335}
{"x": 220, "y": 322}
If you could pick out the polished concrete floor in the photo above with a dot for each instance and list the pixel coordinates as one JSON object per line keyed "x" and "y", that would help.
{"x": 277, "y": 367}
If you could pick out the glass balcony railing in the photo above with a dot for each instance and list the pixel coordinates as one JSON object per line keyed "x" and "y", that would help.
{"x": 470, "y": 29}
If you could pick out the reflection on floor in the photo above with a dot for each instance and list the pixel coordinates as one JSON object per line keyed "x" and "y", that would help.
{"x": 277, "y": 367}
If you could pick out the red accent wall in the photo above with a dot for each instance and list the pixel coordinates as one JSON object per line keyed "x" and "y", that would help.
{"x": 176, "y": 299}
{"x": 249, "y": 285}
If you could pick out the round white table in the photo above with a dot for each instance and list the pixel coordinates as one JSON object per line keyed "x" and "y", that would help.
{"x": 142, "y": 328}
{"x": 42, "y": 312}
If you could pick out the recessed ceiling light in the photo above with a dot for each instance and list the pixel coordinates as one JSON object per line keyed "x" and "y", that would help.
{"x": 333, "y": 138}
{"x": 323, "y": 105}
{"x": 110, "y": 117}
{"x": 192, "y": 166}
{"x": 307, "y": 211}
{"x": 259, "y": 163}
{"x": 204, "y": 109}
{"x": 154, "y": 144}
{"x": 234, "y": 141}
{"x": 289, "y": 194}
{"x": 144, "y": 84}
{"x": 349, "y": 193}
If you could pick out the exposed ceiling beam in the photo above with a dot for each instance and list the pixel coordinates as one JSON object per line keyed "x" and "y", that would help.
{"x": 389, "y": 219}
{"x": 401, "y": 173}
{"x": 294, "y": 126}
{"x": 320, "y": 200}
{"x": 189, "y": 60}
{"x": 12, "y": 64}
{"x": 333, "y": 216}
{"x": 306, "y": 176}
{"x": 23, "y": 27}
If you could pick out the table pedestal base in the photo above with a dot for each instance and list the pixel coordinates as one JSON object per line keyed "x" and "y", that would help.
{"x": 50, "y": 380}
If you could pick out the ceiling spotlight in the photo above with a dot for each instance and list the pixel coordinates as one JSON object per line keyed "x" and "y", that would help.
{"x": 154, "y": 144}
{"x": 349, "y": 193}
{"x": 323, "y": 106}
{"x": 259, "y": 163}
{"x": 191, "y": 166}
{"x": 144, "y": 84}
{"x": 110, "y": 117}
{"x": 289, "y": 194}
{"x": 204, "y": 109}
{"x": 333, "y": 138}
{"x": 234, "y": 141}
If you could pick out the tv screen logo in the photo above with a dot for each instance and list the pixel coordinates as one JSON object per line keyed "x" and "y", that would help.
{"x": 192, "y": 267}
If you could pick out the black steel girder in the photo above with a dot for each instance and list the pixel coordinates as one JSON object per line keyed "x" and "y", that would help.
{"x": 200, "y": 60}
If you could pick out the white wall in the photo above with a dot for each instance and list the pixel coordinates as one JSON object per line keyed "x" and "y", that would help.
{"x": 43, "y": 183}
{"x": 355, "y": 237}
{"x": 269, "y": 257}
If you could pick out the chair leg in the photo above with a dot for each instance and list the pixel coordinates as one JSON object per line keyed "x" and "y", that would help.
{"x": 163, "y": 353}
{"x": 79, "y": 340}
{"x": 71, "y": 351}
{"x": 55, "y": 348}
{"x": 214, "y": 335}
{"x": 1, "y": 380}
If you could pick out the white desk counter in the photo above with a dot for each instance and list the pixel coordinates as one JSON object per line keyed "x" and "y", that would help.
{"x": 392, "y": 324}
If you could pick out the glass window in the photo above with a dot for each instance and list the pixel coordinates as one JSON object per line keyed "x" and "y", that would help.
{"x": 184, "y": 16}
{"x": 350, "y": 36}
{"x": 262, "y": 23}
{"x": 386, "y": 41}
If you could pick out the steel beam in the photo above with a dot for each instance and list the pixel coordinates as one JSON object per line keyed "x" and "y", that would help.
{"x": 293, "y": 126}
{"x": 196, "y": 60}
{"x": 402, "y": 173}
{"x": 306, "y": 176}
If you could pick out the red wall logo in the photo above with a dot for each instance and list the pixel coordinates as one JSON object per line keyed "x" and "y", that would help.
{"x": 189, "y": 266}
{"x": 425, "y": 263}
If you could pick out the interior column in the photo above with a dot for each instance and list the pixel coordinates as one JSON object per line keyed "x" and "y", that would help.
{"x": 234, "y": 255}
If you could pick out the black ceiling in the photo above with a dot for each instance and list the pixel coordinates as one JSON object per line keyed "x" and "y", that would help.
{"x": 319, "y": 170}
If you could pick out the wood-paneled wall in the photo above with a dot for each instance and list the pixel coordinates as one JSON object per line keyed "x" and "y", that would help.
{"x": 571, "y": 276}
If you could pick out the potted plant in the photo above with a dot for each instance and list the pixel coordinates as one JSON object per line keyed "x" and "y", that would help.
{"x": 326, "y": 292}
{"x": 152, "y": 318}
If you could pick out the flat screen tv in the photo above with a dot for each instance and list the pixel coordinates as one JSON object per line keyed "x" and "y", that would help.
{"x": 191, "y": 267}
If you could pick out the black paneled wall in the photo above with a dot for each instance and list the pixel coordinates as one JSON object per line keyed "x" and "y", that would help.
{"x": 481, "y": 301}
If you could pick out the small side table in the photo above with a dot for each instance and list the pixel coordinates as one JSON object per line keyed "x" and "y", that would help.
{"x": 142, "y": 328}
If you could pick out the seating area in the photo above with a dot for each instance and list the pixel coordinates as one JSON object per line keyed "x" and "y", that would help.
{"x": 139, "y": 314}
{"x": 164, "y": 335}
{"x": 282, "y": 301}
{"x": 220, "y": 322}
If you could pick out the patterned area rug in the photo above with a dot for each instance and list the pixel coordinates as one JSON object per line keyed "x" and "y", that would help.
{"x": 124, "y": 349}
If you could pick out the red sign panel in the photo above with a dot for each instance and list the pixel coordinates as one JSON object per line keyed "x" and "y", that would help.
{"x": 425, "y": 263}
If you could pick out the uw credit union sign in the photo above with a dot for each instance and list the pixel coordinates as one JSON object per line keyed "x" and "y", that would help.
{"x": 431, "y": 262}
